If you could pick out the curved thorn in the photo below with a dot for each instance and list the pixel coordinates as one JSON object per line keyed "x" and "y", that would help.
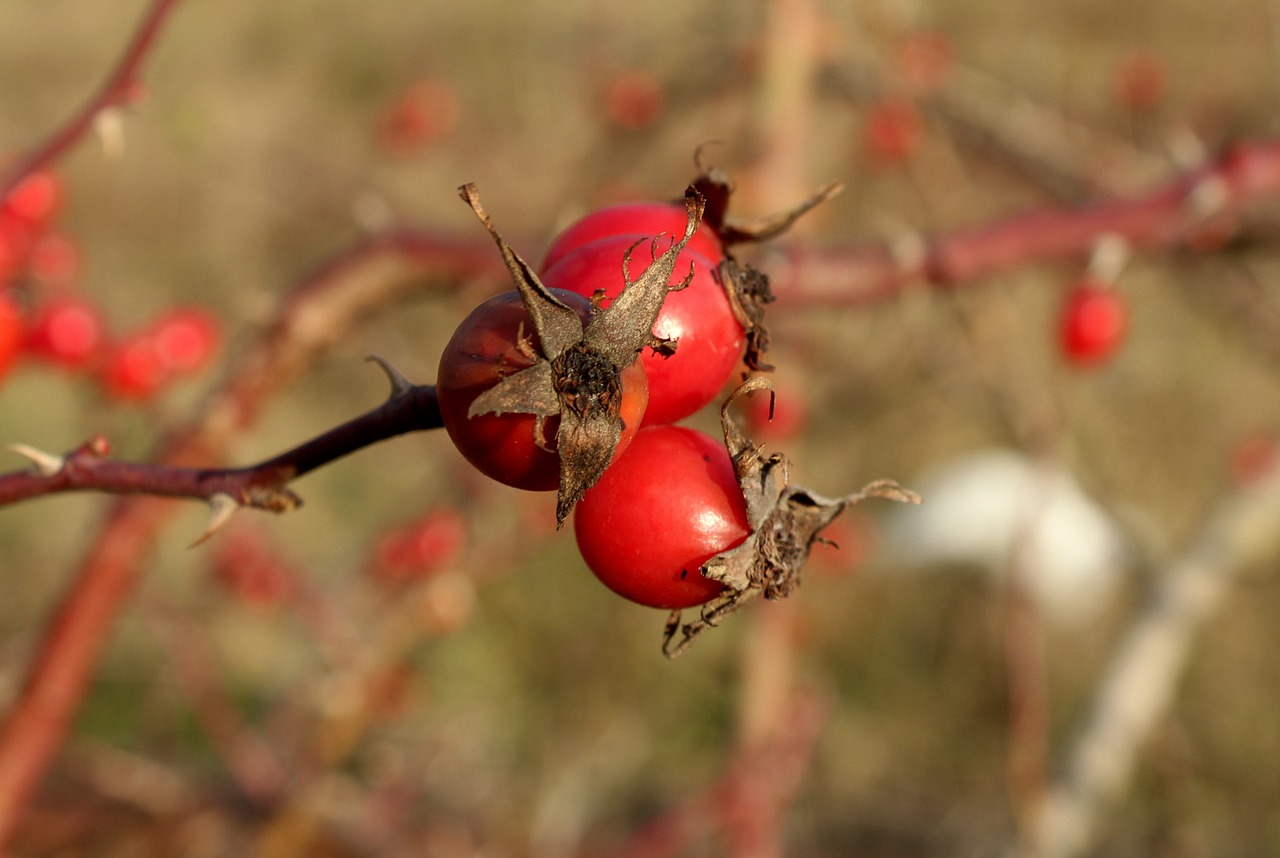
{"x": 221, "y": 507}
{"x": 46, "y": 464}
{"x": 400, "y": 385}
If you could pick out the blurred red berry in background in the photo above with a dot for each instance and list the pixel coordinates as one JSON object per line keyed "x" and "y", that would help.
{"x": 186, "y": 339}
{"x": 1092, "y": 323}
{"x": 251, "y": 570}
{"x": 66, "y": 330}
{"x": 1140, "y": 81}
{"x": 132, "y": 370}
{"x": 425, "y": 113}
{"x": 11, "y": 335}
{"x": 36, "y": 199}
{"x": 891, "y": 132}
{"x": 634, "y": 100}
{"x": 54, "y": 259}
{"x": 926, "y": 60}
{"x": 421, "y": 548}
{"x": 790, "y": 414}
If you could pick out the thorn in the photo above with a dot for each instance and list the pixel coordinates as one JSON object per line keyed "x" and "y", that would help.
{"x": 109, "y": 126}
{"x": 399, "y": 384}
{"x": 46, "y": 464}
{"x": 221, "y": 507}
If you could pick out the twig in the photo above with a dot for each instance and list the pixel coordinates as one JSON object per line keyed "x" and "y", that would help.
{"x": 319, "y": 312}
{"x": 747, "y": 804}
{"x": 261, "y": 486}
{"x": 1168, "y": 216}
{"x": 115, "y": 91}
{"x": 1138, "y": 687}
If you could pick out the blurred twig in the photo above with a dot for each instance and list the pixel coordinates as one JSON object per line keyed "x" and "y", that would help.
{"x": 118, "y": 90}
{"x": 1141, "y": 681}
{"x": 1206, "y": 200}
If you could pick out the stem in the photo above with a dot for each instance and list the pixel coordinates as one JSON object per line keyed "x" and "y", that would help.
{"x": 319, "y": 311}
{"x": 262, "y": 485}
{"x": 1140, "y": 682}
{"x": 116, "y": 90}
{"x": 1204, "y": 203}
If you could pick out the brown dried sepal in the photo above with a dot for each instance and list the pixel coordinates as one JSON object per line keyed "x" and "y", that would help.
{"x": 577, "y": 370}
{"x": 785, "y": 522}
{"x": 748, "y": 288}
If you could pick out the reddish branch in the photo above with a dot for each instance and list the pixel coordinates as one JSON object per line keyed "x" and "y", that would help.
{"x": 1196, "y": 209}
{"x": 262, "y": 485}
{"x": 321, "y": 311}
{"x": 747, "y": 807}
{"x": 119, "y": 89}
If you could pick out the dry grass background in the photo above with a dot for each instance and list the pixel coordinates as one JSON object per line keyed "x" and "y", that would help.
{"x": 548, "y": 720}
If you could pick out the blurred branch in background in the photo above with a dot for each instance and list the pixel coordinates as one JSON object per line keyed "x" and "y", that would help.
{"x": 320, "y": 311}
{"x": 1141, "y": 681}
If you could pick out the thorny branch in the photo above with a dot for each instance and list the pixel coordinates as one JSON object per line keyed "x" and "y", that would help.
{"x": 118, "y": 90}
{"x": 319, "y": 312}
{"x": 262, "y": 486}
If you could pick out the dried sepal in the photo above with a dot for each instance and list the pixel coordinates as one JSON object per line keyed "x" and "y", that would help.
{"x": 529, "y": 391}
{"x": 576, "y": 369}
{"x": 626, "y": 326}
{"x": 558, "y": 326}
{"x": 771, "y": 226}
{"x": 747, "y": 288}
{"x": 749, "y": 291}
{"x": 785, "y": 522}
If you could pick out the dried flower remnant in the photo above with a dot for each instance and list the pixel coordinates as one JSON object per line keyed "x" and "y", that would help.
{"x": 785, "y": 522}
{"x": 576, "y": 370}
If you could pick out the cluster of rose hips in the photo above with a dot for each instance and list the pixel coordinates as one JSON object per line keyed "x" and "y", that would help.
{"x": 637, "y": 318}
{"x": 45, "y": 318}
{"x": 669, "y": 499}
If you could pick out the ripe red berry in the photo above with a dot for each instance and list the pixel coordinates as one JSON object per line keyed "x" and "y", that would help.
{"x": 891, "y": 132}
{"x": 15, "y": 244}
{"x": 67, "y": 330}
{"x": 133, "y": 370}
{"x": 1254, "y": 457}
{"x": 421, "y": 548}
{"x": 1140, "y": 81}
{"x": 634, "y": 100}
{"x": 426, "y": 112}
{"x": 709, "y": 338}
{"x": 11, "y": 335}
{"x": 926, "y": 60}
{"x": 778, "y": 418}
{"x": 634, "y": 221}
{"x": 186, "y": 339}
{"x": 36, "y": 199}
{"x": 667, "y": 505}
{"x": 54, "y": 258}
{"x": 252, "y": 571}
{"x": 496, "y": 341}
{"x": 1092, "y": 324}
